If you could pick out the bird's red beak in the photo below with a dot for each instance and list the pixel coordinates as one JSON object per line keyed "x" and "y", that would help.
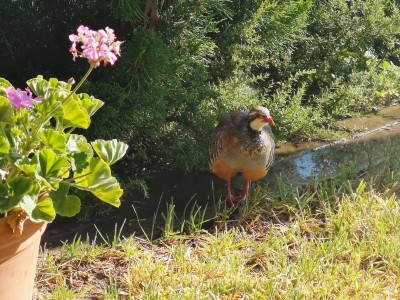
{"x": 269, "y": 120}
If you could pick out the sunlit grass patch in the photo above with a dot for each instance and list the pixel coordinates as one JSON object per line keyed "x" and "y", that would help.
{"x": 345, "y": 249}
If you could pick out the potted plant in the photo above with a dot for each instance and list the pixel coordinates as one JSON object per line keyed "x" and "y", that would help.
{"x": 42, "y": 160}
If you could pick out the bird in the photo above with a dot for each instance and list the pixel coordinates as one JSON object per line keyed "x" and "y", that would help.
{"x": 242, "y": 142}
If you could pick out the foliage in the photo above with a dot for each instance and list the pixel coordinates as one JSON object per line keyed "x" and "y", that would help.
{"x": 186, "y": 63}
{"x": 364, "y": 91}
{"x": 40, "y": 157}
{"x": 342, "y": 38}
{"x": 160, "y": 107}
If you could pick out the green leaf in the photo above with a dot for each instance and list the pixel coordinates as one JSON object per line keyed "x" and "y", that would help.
{"x": 51, "y": 93}
{"x": 74, "y": 115}
{"x": 110, "y": 151}
{"x": 44, "y": 211}
{"x": 4, "y": 83}
{"x": 64, "y": 204}
{"x": 29, "y": 167}
{"x": 28, "y": 204}
{"x": 79, "y": 162}
{"x": 52, "y": 165}
{"x": 7, "y": 202}
{"x": 54, "y": 139}
{"x": 18, "y": 187}
{"x": 38, "y": 212}
{"x": 90, "y": 103}
{"x": 6, "y": 111}
{"x": 4, "y": 146}
{"x": 78, "y": 143}
{"x": 97, "y": 179}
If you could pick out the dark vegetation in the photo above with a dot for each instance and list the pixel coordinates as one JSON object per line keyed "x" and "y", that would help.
{"x": 184, "y": 63}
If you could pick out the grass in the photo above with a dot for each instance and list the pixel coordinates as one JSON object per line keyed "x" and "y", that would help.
{"x": 335, "y": 239}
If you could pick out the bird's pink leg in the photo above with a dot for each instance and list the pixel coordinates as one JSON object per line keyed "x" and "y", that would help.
{"x": 246, "y": 189}
{"x": 229, "y": 199}
{"x": 244, "y": 193}
{"x": 235, "y": 199}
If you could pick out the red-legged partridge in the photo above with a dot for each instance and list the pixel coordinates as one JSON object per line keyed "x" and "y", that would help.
{"x": 243, "y": 142}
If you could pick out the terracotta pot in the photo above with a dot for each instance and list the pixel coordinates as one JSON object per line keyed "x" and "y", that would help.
{"x": 18, "y": 258}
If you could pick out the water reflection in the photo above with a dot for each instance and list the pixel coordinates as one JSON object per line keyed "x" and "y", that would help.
{"x": 305, "y": 165}
{"x": 327, "y": 161}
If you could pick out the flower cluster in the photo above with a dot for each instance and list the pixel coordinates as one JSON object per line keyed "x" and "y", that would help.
{"x": 96, "y": 46}
{"x": 20, "y": 99}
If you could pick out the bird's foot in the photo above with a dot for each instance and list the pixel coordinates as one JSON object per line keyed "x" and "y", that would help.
{"x": 232, "y": 200}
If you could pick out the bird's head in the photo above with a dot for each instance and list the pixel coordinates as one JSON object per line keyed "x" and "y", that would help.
{"x": 259, "y": 116}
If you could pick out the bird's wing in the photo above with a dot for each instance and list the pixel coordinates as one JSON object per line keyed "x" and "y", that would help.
{"x": 225, "y": 129}
{"x": 216, "y": 144}
{"x": 271, "y": 158}
{"x": 271, "y": 155}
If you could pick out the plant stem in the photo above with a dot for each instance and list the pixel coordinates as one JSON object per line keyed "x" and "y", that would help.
{"x": 80, "y": 82}
{"x": 48, "y": 116}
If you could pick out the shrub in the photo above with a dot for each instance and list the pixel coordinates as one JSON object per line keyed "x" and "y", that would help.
{"x": 186, "y": 63}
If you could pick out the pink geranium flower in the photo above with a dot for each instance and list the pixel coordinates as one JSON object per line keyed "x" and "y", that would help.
{"x": 96, "y": 46}
{"x": 20, "y": 99}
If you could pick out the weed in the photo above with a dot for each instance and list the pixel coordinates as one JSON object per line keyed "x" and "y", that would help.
{"x": 116, "y": 239}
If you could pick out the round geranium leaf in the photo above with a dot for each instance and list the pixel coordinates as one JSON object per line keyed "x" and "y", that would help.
{"x": 65, "y": 205}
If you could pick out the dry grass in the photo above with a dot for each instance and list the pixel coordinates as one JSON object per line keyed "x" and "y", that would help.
{"x": 345, "y": 250}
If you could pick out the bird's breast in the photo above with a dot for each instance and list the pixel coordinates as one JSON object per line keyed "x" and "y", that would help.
{"x": 255, "y": 147}
{"x": 247, "y": 156}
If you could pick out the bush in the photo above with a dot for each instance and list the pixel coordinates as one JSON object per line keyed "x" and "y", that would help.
{"x": 364, "y": 92}
{"x": 186, "y": 63}
{"x": 157, "y": 103}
